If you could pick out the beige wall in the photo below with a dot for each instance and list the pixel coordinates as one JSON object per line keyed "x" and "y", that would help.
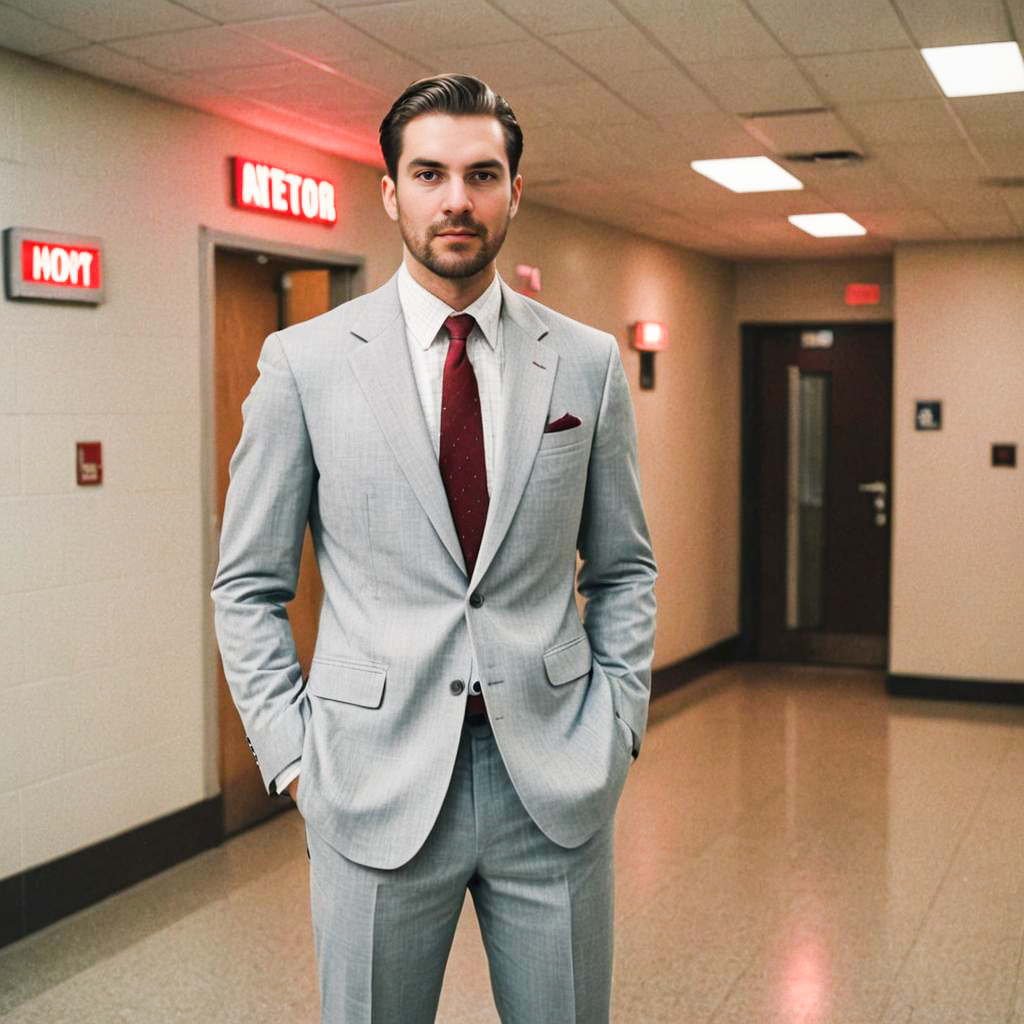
{"x": 801, "y": 291}
{"x": 688, "y": 425}
{"x": 105, "y": 692}
{"x": 958, "y": 523}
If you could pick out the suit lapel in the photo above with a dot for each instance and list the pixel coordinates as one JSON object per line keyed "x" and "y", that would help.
{"x": 384, "y": 372}
{"x": 527, "y": 379}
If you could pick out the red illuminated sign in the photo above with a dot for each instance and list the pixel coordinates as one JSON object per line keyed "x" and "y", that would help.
{"x": 271, "y": 189}
{"x": 53, "y": 265}
{"x": 650, "y": 336}
{"x": 67, "y": 266}
{"x": 863, "y": 294}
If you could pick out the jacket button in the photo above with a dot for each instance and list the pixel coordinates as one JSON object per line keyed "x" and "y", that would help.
{"x": 457, "y": 686}
{"x": 476, "y": 600}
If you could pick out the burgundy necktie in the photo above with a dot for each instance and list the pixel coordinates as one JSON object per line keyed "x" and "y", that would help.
{"x": 461, "y": 456}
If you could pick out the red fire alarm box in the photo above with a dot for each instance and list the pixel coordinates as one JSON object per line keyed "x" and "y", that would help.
{"x": 90, "y": 463}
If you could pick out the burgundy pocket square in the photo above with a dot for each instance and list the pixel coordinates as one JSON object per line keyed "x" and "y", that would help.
{"x": 562, "y": 423}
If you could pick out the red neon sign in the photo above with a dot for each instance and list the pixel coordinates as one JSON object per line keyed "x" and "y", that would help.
{"x": 271, "y": 189}
{"x": 60, "y": 266}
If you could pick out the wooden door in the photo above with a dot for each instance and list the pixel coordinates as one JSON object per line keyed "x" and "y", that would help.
{"x": 254, "y": 297}
{"x": 823, "y": 434}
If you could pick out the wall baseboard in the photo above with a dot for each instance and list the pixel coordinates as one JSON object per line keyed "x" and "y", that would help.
{"x": 670, "y": 677}
{"x": 941, "y": 688}
{"x": 41, "y": 895}
{"x": 44, "y": 894}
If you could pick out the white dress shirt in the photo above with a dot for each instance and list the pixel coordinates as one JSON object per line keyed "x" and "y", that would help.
{"x": 428, "y": 341}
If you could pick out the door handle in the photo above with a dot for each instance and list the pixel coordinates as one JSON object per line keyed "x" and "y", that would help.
{"x": 875, "y": 487}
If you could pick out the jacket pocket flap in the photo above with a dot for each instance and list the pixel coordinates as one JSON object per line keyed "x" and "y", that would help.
{"x": 568, "y": 661}
{"x": 353, "y": 682}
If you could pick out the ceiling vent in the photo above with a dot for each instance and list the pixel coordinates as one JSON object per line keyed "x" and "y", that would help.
{"x": 1017, "y": 182}
{"x": 826, "y": 157}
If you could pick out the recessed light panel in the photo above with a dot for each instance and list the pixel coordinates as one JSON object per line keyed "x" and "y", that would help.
{"x": 982, "y": 69}
{"x": 748, "y": 174}
{"x": 827, "y": 225}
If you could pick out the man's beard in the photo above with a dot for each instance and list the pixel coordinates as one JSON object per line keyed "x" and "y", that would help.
{"x": 454, "y": 265}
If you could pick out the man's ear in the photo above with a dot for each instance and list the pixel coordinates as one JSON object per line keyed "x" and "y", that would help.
{"x": 389, "y": 196}
{"x": 517, "y": 192}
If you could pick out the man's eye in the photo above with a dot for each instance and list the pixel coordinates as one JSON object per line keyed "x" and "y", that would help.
{"x": 485, "y": 176}
{"x": 423, "y": 175}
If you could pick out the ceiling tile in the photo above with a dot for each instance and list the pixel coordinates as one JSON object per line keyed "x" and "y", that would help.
{"x": 101, "y": 21}
{"x": 748, "y": 86}
{"x": 914, "y": 122}
{"x": 915, "y": 165}
{"x": 710, "y": 137}
{"x": 832, "y": 26}
{"x": 1003, "y": 159}
{"x": 866, "y": 186}
{"x": 992, "y": 117}
{"x": 26, "y": 34}
{"x": 942, "y": 23}
{"x": 530, "y": 63}
{"x": 611, "y": 51}
{"x": 422, "y": 27}
{"x": 544, "y": 17}
{"x": 903, "y": 225}
{"x": 322, "y": 36}
{"x": 818, "y": 131}
{"x": 705, "y": 29}
{"x": 229, "y": 11}
{"x": 197, "y": 49}
{"x": 579, "y": 103}
{"x": 875, "y": 75}
{"x": 105, "y": 63}
{"x": 667, "y": 94}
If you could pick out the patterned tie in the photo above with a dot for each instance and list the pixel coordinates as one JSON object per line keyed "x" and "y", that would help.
{"x": 461, "y": 458}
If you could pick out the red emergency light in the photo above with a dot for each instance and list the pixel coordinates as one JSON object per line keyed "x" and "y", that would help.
{"x": 650, "y": 336}
{"x": 270, "y": 189}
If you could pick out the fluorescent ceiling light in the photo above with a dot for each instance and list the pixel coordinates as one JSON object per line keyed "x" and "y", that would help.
{"x": 747, "y": 174}
{"x": 827, "y": 225}
{"x": 982, "y": 69}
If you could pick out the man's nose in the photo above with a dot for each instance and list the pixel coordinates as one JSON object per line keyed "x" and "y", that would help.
{"x": 456, "y": 196}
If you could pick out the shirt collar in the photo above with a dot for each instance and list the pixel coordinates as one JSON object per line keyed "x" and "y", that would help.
{"x": 425, "y": 313}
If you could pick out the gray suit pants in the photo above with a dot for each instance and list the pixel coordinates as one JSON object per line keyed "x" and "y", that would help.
{"x": 382, "y": 937}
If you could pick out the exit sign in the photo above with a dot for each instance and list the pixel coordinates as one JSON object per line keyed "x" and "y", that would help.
{"x": 52, "y": 265}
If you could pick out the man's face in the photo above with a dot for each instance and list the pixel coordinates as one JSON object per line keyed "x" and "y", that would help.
{"x": 453, "y": 198}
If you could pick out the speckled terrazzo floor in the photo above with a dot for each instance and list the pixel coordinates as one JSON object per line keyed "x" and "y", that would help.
{"x": 792, "y": 846}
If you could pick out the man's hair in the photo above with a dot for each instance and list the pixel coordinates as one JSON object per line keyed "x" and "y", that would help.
{"x": 448, "y": 94}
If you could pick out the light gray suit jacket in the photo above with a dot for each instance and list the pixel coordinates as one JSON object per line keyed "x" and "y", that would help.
{"x": 334, "y": 435}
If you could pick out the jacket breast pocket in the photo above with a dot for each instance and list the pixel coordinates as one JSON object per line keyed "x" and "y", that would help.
{"x": 567, "y": 661}
{"x": 348, "y": 681}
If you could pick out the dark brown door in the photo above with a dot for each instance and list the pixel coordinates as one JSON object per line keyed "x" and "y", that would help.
{"x": 255, "y": 295}
{"x": 821, "y": 429}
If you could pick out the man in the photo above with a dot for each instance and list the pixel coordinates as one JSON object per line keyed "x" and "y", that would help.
{"x": 452, "y": 445}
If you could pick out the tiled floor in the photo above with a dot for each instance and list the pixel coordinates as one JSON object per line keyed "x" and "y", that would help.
{"x": 793, "y": 846}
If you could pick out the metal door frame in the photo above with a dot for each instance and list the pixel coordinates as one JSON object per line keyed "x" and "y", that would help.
{"x": 343, "y": 266}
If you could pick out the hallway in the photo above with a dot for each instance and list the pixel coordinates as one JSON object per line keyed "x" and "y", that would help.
{"x": 792, "y": 846}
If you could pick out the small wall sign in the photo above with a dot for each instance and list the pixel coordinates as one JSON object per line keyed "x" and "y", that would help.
{"x": 52, "y": 265}
{"x": 89, "y": 463}
{"x": 928, "y": 416}
{"x": 1004, "y": 455}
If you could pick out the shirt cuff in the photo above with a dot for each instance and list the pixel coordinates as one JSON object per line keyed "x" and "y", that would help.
{"x": 286, "y": 775}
